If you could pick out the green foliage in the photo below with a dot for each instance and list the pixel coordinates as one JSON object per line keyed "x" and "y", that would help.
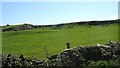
{"x": 101, "y": 63}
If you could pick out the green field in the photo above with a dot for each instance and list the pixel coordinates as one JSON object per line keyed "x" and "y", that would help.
{"x": 32, "y": 42}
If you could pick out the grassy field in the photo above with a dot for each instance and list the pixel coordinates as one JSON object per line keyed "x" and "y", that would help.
{"x": 32, "y": 42}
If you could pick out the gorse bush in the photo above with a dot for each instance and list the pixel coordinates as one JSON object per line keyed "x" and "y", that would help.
{"x": 100, "y": 56}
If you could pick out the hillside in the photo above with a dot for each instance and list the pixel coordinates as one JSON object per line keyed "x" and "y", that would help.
{"x": 35, "y": 41}
{"x": 48, "y": 43}
{"x": 57, "y": 26}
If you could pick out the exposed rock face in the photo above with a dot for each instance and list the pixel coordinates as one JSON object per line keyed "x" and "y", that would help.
{"x": 23, "y": 27}
{"x": 19, "y": 27}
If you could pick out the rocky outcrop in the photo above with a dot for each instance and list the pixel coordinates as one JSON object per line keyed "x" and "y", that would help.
{"x": 23, "y": 27}
{"x": 80, "y": 56}
{"x": 18, "y": 27}
{"x": 72, "y": 57}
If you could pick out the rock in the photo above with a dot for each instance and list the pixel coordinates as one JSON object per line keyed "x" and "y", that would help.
{"x": 19, "y": 27}
{"x": 23, "y": 27}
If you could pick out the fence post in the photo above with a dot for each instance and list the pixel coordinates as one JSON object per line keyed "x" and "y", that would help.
{"x": 68, "y": 45}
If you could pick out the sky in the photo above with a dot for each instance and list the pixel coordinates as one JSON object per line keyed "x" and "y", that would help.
{"x": 45, "y": 13}
{"x": 59, "y": 0}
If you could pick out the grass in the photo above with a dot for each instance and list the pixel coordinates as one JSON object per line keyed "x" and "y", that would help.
{"x": 32, "y": 42}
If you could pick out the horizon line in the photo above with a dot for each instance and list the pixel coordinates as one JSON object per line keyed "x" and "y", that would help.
{"x": 60, "y": 23}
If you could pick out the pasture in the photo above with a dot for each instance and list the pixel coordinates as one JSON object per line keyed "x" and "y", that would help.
{"x": 32, "y": 42}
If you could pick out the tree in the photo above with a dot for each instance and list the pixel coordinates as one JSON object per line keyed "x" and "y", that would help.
{"x": 7, "y": 25}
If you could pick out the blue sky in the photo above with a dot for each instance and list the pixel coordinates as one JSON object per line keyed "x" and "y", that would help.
{"x": 44, "y": 13}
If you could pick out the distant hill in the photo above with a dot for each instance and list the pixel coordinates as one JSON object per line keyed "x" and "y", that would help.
{"x": 106, "y": 22}
{"x": 30, "y": 26}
